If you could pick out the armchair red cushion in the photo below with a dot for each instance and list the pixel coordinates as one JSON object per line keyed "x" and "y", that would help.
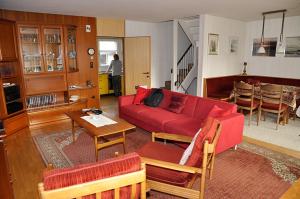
{"x": 141, "y": 94}
{"x": 168, "y": 153}
{"x": 208, "y": 132}
{"x": 59, "y": 178}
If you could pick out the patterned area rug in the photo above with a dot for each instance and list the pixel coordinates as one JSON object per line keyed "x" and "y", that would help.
{"x": 249, "y": 172}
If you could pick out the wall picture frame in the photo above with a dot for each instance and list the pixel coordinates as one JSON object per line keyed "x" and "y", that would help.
{"x": 292, "y": 46}
{"x": 233, "y": 45}
{"x": 213, "y": 44}
{"x": 270, "y": 45}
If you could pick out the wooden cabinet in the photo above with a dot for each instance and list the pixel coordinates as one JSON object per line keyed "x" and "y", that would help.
{"x": 41, "y": 48}
{"x": 8, "y": 50}
{"x": 71, "y": 49}
{"x": 11, "y": 84}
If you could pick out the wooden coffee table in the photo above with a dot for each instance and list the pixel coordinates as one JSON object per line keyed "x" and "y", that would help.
{"x": 99, "y": 133}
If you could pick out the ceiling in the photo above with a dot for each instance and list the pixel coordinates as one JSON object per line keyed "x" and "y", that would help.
{"x": 156, "y": 10}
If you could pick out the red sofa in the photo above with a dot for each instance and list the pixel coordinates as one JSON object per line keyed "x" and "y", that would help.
{"x": 188, "y": 121}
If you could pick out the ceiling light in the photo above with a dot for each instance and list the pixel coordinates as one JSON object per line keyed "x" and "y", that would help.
{"x": 281, "y": 46}
{"x": 262, "y": 49}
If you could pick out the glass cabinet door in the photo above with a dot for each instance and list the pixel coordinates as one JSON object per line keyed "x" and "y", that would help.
{"x": 31, "y": 49}
{"x": 53, "y": 49}
{"x": 71, "y": 49}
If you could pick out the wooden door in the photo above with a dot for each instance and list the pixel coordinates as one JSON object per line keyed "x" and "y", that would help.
{"x": 137, "y": 63}
{"x": 8, "y": 51}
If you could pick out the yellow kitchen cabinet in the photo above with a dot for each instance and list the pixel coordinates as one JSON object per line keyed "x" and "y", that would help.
{"x": 103, "y": 84}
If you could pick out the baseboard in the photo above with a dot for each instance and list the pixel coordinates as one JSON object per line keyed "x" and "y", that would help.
{"x": 280, "y": 149}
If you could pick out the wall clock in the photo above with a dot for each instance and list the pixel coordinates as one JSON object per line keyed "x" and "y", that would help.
{"x": 91, "y": 51}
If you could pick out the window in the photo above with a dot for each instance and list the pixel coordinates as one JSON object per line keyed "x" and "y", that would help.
{"x": 106, "y": 50}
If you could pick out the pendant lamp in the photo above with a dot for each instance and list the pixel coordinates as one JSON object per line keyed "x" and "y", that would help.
{"x": 281, "y": 47}
{"x": 262, "y": 49}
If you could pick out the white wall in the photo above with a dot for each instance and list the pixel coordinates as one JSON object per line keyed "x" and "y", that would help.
{"x": 225, "y": 63}
{"x": 161, "y": 47}
{"x": 278, "y": 66}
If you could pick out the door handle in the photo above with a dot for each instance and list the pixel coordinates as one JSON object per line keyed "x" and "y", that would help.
{"x": 146, "y": 73}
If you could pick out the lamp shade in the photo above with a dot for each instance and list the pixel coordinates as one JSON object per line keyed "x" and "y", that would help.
{"x": 261, "y": 50}
{"x": 280, "y": 49}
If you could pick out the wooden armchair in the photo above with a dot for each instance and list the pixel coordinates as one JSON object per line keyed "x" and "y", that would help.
{"x": 165, "y": 174}
{"x": 244, "y": 98}
{"x": 271, "y": 101}
{"x": 120, "y": 177}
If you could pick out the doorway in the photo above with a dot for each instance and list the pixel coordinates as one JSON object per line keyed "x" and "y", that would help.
{"x": 107, "y": 48}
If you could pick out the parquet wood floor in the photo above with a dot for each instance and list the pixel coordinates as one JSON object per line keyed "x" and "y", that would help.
{"x": 27, "y": 165}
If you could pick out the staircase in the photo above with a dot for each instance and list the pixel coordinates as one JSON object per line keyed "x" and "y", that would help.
{"x": 188, "y": 62}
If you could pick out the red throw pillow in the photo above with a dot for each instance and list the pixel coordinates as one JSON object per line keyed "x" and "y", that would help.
{"x": 166, "y": 100}
{"x": 177, "y": 103}
{"x": 216, "y": 112}
{"x": 141, "y": 94}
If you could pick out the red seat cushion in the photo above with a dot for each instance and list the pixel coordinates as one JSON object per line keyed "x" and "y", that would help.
{"x": 158, "y": 116}
{"x": 134, "y": 109}
{"x": 207, "y": 133}
{"x": 186, "y": 126}
{"x": 247, "y": 103}
{"x": 141, "y": 94}
{"x": 177, "y": 103}
{"x": 273, "y": 106}
{"x": 59, "y": 178}
{"x": 168, "y": 153}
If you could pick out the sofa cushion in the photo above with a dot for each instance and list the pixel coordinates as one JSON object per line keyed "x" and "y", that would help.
{"x": 168, "y": 153}
{"x": 134, "y": 109}
{"x": 177, "y": 103}
{"x": 141, "y": 94}
{"x": 167, "y": 99}
{"x": 185, "y": 126}
{"x": 59, "y": 178}
{"x": 159, "y": 116}
{"x": 216, "y": 112}
{"x": 204, "y": 105}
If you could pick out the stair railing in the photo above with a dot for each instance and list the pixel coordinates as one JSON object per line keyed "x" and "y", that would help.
{"x": 184, "y": 65}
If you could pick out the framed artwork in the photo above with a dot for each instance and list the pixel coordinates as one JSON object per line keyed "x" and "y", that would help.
{"x": 213, "y": 44}
{"x": 292, "y": 46}
{"x": 270, "y": 45}
{"x": 233, "y": 44}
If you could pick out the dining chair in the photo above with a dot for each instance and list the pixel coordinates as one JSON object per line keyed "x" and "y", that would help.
{"x": 271, "y": 101}
{"x": 244, "y": 99}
